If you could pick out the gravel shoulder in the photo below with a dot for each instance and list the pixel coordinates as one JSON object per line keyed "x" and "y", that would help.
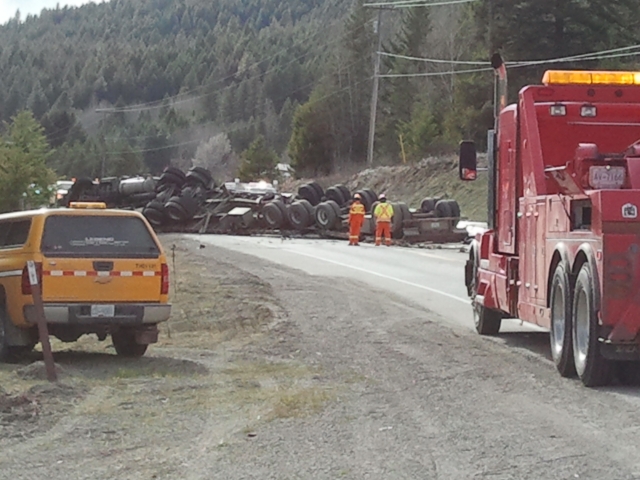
{"x": 266, "y": 372}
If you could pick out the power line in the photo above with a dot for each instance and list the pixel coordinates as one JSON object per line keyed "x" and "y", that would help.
{"x": 432, "y": 60}
{"x": 435, "y": 74}
{"x": 577, "y": 58}
{"x": 584, "y": 56}
{"x": 604, "y": 54}
{"x": 420, "y": 3}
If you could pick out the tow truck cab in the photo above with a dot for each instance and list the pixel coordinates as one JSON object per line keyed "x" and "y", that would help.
{"x": 563, "y": 249}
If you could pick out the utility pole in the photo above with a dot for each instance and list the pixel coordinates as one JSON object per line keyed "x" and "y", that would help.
{"x": 105, "y": 111}
{"x": 374, "y": 95}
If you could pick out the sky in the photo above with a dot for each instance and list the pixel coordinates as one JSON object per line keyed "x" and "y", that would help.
{"x": 8, "y": 7}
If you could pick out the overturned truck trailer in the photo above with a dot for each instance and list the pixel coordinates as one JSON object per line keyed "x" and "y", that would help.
{"x": 192, "y": 202}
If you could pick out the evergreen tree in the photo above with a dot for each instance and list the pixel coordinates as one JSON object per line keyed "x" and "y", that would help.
{"x": 24, "y": 176}
{"x": 37, "y": 102}
{"x": 258, "y": 161}
{"x": 402, "y": 97}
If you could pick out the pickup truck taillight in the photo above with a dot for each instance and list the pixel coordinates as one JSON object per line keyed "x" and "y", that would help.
{"x": 164, "y": 288}
{"x": 26, "y": 285}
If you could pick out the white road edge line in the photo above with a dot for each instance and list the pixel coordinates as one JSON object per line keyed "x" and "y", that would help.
{"x": 387, "y": 277}
{"x": 437, "y": 257}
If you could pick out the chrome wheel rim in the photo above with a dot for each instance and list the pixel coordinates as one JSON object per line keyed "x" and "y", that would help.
{"x": 558, "y": 321}
{"x": 581, "y": 329}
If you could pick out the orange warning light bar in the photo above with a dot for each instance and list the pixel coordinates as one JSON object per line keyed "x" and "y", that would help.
{"x": 577, "y": 77}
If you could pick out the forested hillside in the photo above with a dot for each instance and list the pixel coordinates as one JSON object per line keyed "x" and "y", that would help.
{"x": 130, "y": 86}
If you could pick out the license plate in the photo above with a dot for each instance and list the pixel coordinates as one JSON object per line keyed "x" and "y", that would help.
{"x": 435, "y": 224}
{"x": 103, "y": 311}
{"x": 603, "y": 177}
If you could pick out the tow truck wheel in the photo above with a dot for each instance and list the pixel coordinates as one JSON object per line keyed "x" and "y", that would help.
{"x": 487, "y": 321}
{"x": 593, "y": 369}
{"x": 561, "y": 328}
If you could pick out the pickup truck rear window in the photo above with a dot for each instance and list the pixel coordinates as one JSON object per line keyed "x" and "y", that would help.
{"x": 97, "y": 236}
{"x": 14, "y": 233}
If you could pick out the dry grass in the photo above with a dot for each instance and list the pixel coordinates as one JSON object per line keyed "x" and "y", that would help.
{"x": 212, "y": 302}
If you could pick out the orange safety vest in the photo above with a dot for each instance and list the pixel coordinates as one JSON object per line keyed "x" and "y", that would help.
{"x": 356, "y": 212}
{"x": 383, "y": 212}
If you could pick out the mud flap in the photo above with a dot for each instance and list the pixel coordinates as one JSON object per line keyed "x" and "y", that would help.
{"x": 468, "y": 276}
{"x": 620, "y": 351}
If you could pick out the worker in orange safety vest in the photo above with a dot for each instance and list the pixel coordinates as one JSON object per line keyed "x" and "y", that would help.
{"x": 383, "y": 214}
{"x": 356, "y": 219}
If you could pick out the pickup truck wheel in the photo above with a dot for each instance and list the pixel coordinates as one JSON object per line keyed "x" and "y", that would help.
{"x": 560, "y": 334}
{"x": 5, "y": 350}
{"x": 593, "y": 369}
{"x": 125, "y": 344}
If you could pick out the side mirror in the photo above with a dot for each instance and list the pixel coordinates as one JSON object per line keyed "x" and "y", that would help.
{"x": 468, "y": 165}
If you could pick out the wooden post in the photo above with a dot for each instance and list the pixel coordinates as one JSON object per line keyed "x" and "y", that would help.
{"x": 42, "y": 322}
{"x": 404, "y": 156}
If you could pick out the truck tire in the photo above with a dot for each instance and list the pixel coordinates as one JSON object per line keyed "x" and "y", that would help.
{"x": 406, "y": 213}
{"x": 203, "y": 172}
{"x": 455, "y": 208}
{"x": 299, "y": 216}
{"x": 273, "y": 215}
{"x": 181, "y": 209}
{"x": 154, "y": 212}
{"x": 175, "y": 171}
{"x": 326, "y": 217}
{"x": 196, "y": 178}
{"x": 8, "y": 352}
{"x": 307, "y": 192}
{"x": 124, "y": 341}
{"x": 5, "y": 349}
{"x": 345, "y": 192}
{"x": 592, "y": 368}
{"x": 365, "y": 200}
{"x": 397, "y": 229}
{"x": 309, "y": 208}
{"x": 170, "y": 178}
{"x": 427, "y": 205}
{"x": 373, "y": 196}
{"x": 336, "y": 208}
{"x": 561, "y": 334}
{"x": 443, "y": 209}
{"x": 486, "y": 320}
{"x": 319, "y": 191}
{"x": 333, "y": 193}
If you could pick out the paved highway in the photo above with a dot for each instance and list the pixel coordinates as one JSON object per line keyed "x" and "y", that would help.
{"x": 433, "y": 279}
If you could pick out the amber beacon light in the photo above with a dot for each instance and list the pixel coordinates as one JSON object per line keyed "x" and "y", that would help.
{"x": 577, "y": 77}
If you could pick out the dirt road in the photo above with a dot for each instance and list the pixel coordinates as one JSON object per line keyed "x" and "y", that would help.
{"x": 267, "y": 372}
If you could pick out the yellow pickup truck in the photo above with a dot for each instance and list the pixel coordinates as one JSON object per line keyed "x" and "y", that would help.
{"x": 102, "y": 272}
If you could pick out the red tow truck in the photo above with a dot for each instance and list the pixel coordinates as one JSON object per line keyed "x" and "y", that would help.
{"x": 563, "y": 246}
